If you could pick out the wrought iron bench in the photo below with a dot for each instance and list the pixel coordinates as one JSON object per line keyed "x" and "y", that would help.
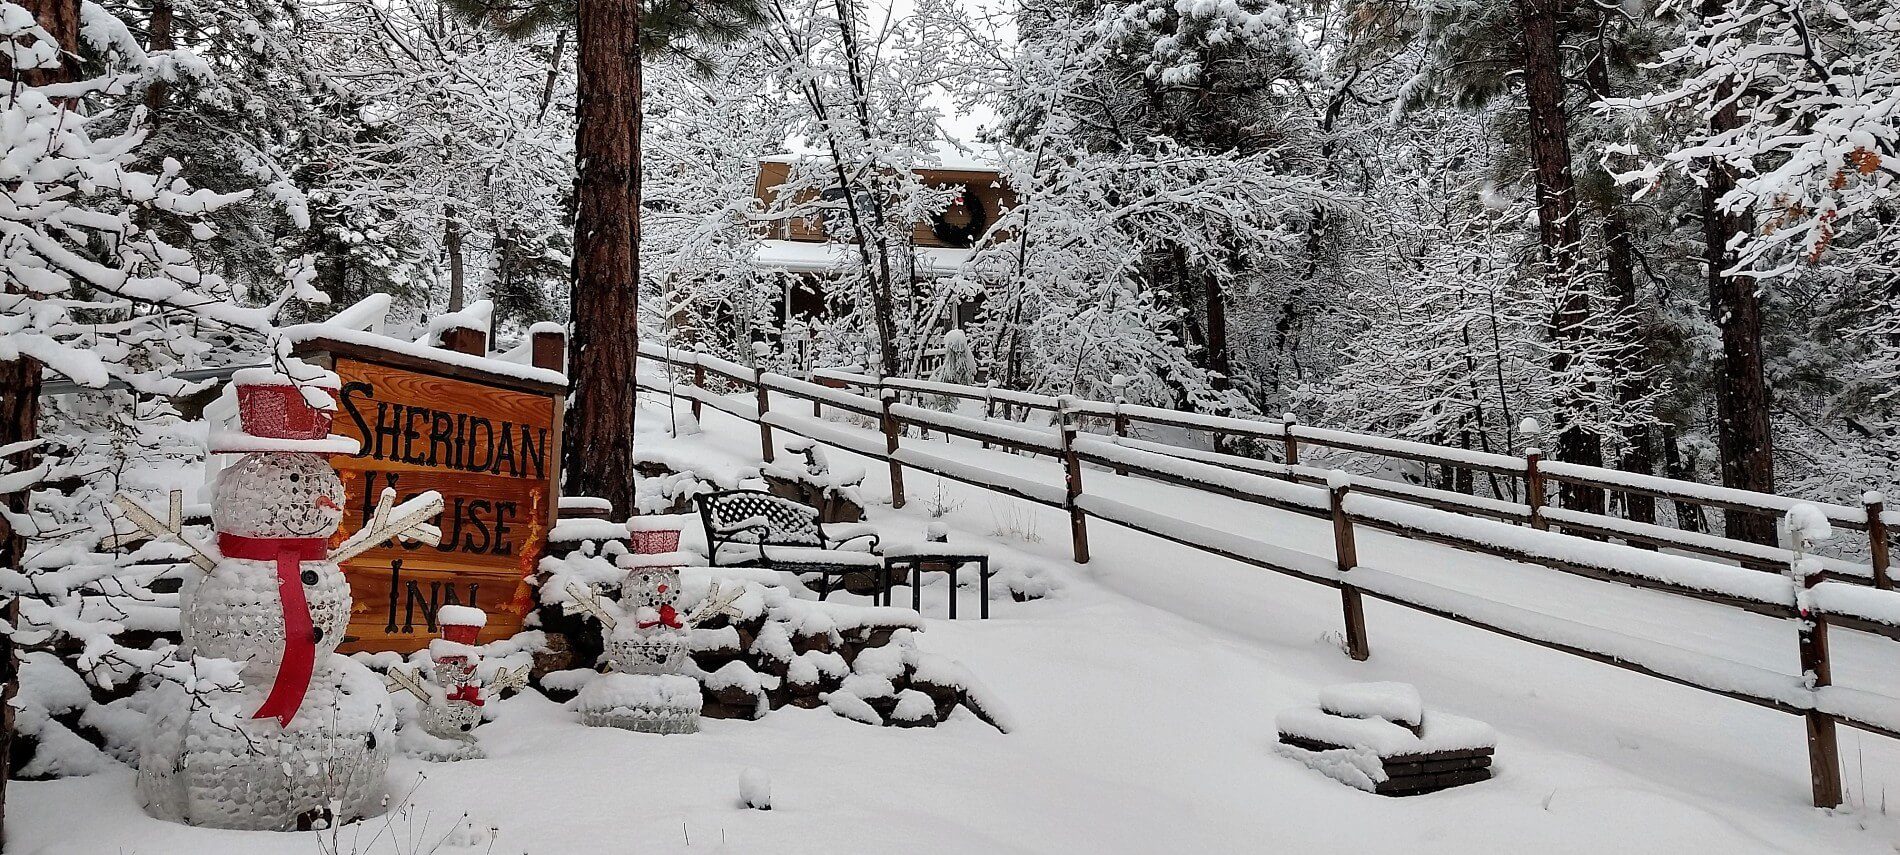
{"x": 752, "y": 528}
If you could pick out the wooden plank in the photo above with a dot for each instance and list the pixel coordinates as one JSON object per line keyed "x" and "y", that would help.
{"x": 317, "y": 346}
{"x": 394, "y": 602}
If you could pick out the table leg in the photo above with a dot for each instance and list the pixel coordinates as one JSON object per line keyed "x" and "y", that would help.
{"x": 953, "y": 590}
{"x": 983, "y": 569}
{"x": 882, "y": 597}
{"x": 916, "y": 587}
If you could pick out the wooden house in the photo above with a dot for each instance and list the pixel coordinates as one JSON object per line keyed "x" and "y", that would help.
{"x": 810, "y": 248}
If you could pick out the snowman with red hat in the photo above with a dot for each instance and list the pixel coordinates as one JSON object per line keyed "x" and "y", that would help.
{"x": 303, "y": 737}
{"x": 451, "y": 700}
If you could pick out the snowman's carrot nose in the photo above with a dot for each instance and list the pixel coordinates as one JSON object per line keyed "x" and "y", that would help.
{"x": 327, "y": 502}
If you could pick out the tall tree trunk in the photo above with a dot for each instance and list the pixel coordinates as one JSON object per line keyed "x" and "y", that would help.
{"x": 1215, "y": 298}
{"x": 20, "y": 381}
{"x": 452, "y": 241}
{"x": 159, "y": 37}
{"x": 554, "y": 72}
{"x": 598, "y": 445}
{"x": 1558, "y": 231}
{"x": 1743, "y": 440}
{"x": 1629, "y": 367}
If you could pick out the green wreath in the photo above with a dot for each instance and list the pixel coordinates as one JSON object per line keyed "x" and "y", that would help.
{"x": 964, "y": 235}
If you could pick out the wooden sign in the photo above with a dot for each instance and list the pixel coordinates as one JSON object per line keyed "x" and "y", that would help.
{"x": 489, "y": 443}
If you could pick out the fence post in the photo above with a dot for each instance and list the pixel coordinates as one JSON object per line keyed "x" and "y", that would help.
{"x": 890, "y": 446}
{"x": 1078, "y": 521}
{"x": 699, "y": 381}
{"x": 1824, "y": 750}
{"x": 1121, "y": 428}
{"x": 765, "y": 430}
{"x": 1346, "y": 550}
{"x": 989, "y": 404}
{"x": 1287, "y": 422}
{"x": 1534, "y": 487}
{"x": 1877, "y": 540}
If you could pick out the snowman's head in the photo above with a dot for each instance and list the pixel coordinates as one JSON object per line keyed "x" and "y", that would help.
{"x": 278, "y": 494}
{"x": 652, "y": 586}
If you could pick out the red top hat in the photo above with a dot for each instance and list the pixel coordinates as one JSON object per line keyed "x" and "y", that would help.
{"x": 460, "y": 624}
{"x": 277, "y": 415}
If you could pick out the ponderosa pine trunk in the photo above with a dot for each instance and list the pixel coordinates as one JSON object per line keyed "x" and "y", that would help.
{"x": 1558, "y": 231}
{"x": 598, "y": 440}
{"x": 20, "y": 381}
{"x": 1743, "y": 441}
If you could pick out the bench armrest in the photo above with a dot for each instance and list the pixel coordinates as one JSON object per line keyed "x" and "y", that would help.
{"x": 839, "y": 534}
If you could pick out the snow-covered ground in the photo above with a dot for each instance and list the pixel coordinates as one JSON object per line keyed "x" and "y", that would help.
{"x": 1143, "y": 694}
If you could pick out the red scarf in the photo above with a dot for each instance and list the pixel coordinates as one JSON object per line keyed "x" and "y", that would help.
{"x": 300, "y": 645}
{"x": 469, "y": 692}
{"x": 668, "y": 616}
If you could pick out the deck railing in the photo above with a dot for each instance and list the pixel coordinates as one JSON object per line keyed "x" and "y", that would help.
{"x": 1813, "y": 594}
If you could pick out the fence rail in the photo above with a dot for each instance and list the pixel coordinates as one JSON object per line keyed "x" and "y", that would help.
{"x": 1812, "y": 594}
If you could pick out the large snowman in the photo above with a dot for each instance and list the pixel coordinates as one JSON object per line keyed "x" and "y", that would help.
{"x": 306, "y": 739}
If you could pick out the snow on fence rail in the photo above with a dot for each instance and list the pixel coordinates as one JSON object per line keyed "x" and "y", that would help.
{"x": 1530, "y": 476}
{"x": 1809, "y": 600}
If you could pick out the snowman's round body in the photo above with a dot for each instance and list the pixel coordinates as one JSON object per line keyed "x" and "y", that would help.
{"x": 655, "y": 650}
{"x": 444, "y": 732}
{"x": 206, "y": 761}
{"x": 209, "y": 763}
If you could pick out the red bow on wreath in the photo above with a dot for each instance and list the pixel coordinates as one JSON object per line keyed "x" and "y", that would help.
{"x": 668, "y": 616}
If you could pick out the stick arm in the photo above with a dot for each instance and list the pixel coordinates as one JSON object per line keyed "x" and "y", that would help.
{"x": 172, "y": 529}
{"x": 409, "y": 521}
{"x": 717, "y": 603}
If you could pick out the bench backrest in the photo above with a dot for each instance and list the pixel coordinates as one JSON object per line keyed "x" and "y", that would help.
{"x": 787, "y": 523}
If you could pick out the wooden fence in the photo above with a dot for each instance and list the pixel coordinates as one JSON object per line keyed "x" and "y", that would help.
{"x": 1814, "y": 595}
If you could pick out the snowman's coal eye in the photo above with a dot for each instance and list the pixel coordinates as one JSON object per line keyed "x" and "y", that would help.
{"x": 294, "y": 477}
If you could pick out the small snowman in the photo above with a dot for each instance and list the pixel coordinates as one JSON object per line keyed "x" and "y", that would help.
{"x": 644, "y": 690}
{"x": 451, "y": 701}
{"x": 305, "y": 740}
